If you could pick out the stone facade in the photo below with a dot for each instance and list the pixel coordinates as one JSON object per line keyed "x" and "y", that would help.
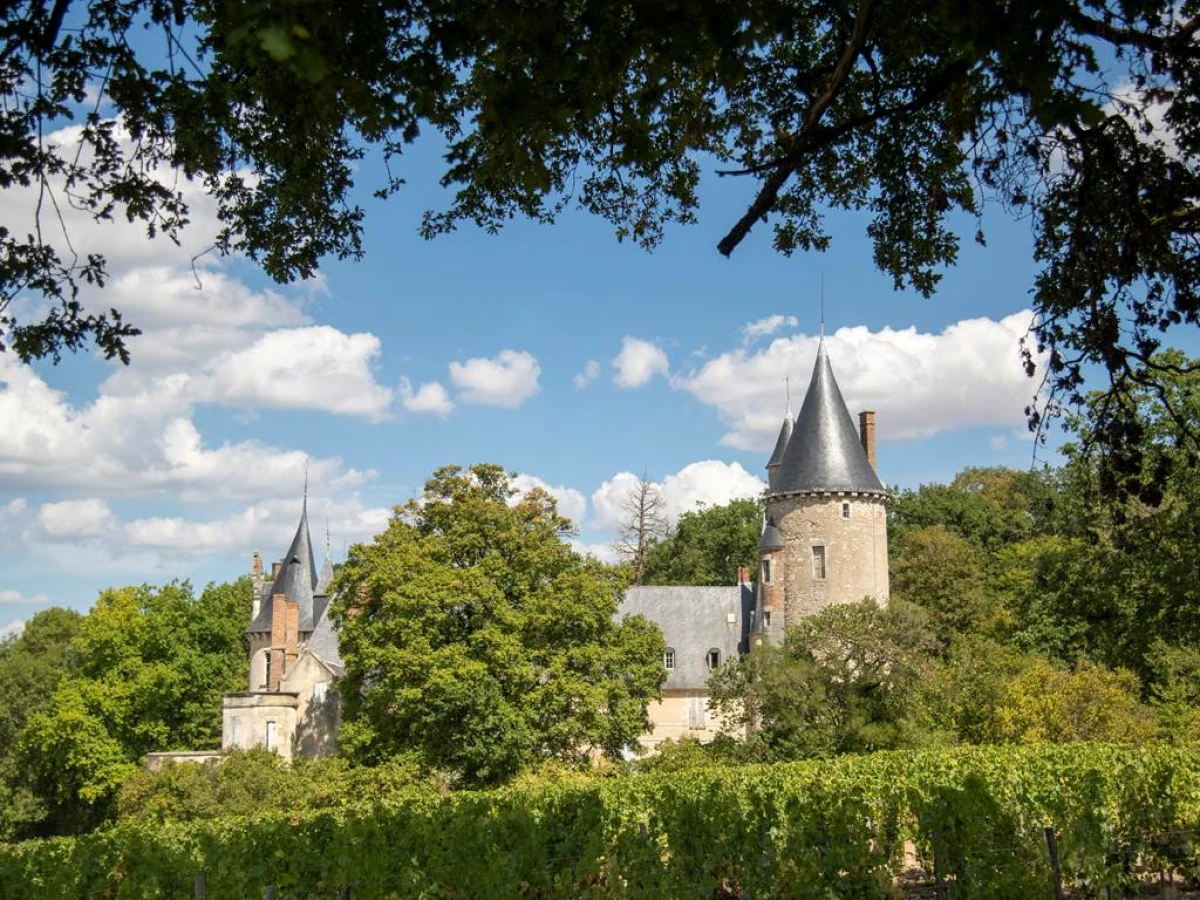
{"x": 835, "y": 550}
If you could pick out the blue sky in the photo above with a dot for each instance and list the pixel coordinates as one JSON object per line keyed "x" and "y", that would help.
{"x": 474, "y": 347}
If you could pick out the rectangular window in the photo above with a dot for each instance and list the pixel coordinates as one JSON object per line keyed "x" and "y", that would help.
{"x": 697, "y": 713}
{"x": 766, "y": 618}
{"x": 845, "y": 510}
{"x": 270, "y": 735}
{"x": 235, "y": 731}
{"x": 818, "y": 562}
{"x": 319, "y": 691}
{"x": 766, "y": 571}
{"x": 267, "y": 680}
{"x": 669, "y": 659}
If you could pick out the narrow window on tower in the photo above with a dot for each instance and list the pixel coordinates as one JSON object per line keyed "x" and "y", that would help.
{"x": 766, "y": 571}
{"x": 818, "y": 561}
{"x": 845, "y": 510}
{"x": 669, "y": 658}
{"x": 766, "y": 618}
{"x": 714, "y": 659}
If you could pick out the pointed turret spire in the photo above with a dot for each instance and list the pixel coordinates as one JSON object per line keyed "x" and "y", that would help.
{"x": 826, "y": 453}
{"x": 785, "y": 436}
{"x": 297, "y": 578}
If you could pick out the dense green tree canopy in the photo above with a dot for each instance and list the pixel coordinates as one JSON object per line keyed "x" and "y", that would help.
{"x": 148, "y": 671}
{"x": 474, "y": 636}
{"x": 31, "y": 667}
{"x": 910, "y": 114}
{"x": 708, "y": 545}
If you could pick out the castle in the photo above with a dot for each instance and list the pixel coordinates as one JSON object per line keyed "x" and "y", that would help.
{"x": 824, "y": 542}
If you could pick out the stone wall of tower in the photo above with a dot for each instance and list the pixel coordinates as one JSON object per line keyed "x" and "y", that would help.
{"x": 772, "y": 595}
{"x": 855, "y": 549}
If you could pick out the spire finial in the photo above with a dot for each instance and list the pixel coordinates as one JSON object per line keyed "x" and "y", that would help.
{"x": 822, "y": 295}
{"x": 787, "y": 387}
{"x": 326, "y": 533}
{"x": 306, "y": 485}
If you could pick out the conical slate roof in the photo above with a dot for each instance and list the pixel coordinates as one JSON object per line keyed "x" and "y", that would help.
{"x": 824, "y": 453}
{"x": 297, "y": 579}
{"x": 771, "y": 538}
{"x": 781, "y": 443}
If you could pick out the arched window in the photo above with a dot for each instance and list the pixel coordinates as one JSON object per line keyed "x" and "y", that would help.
{"x": 713, "y": 659}
{"x": 669, "y": 658}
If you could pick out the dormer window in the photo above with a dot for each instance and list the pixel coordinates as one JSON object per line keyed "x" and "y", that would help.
{"x": 669, "y": 658}
{"x": 713, "y": 659}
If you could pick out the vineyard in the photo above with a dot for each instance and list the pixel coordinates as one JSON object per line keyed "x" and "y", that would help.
{"x": 839, "y": 828}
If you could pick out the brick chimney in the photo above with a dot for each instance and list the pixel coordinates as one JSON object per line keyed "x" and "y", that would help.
{"x": 866, "y": 433}
{"x": 275, "y": 567}
{"x": 285, "y": 634}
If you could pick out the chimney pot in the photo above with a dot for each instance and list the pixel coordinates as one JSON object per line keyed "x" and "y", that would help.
{"x": 866, "y": 434}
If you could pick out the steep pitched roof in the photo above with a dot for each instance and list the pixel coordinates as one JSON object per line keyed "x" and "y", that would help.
{"x": 324, "y": 643}
{"x": 326, "y": 576}
{"x": 771, "y": 538}
{"x": 825, "y": 453}
{"x": 781, "y": 443}
{"x": 297, "y": 579}
{"x": 694, "y": 620}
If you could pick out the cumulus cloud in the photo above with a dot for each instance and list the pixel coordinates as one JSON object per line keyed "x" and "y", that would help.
{"x": 706, "y": 483}
{"x": 767, "y": 326}
{"x": 571, "y": 503}
{"x": 9, "y": 598}
{"x": 134, "y": 445}
{"x": 12, "y": 629}
{"x": 638, "y": 362}
{"x": 71, "y": 519}
{"x": 317, "y": 368}
{"x": 919, "y": 383}
{"x": 430, "y": 397}
{"x": 508, "y": 379}
{"x": 588, "y": 375}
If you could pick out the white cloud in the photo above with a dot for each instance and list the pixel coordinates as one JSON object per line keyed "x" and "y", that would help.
{"x": 767, "y": 326}
{"x": 268, "y": 525}
{"x": 706, "y": 483}
{"x": 918, "y": 383}
{"x": 12, "y": 629}
{"x": 8, "y": 598}
{"x": 508, "y": 379}
{"x": 638, "y": 362}
{"x": 588, "y": 375}
{"x": 430, "y": 397}
{"x": 603, "y": 552}
{"x": 72, "y": 519}
{"x": 571, "y": 503}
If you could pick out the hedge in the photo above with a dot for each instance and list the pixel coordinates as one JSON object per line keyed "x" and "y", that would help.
{"x": 822, "y": 829}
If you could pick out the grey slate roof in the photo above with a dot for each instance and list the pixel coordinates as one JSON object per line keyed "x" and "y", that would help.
{"x": 781, "y": 442}
{"x": 297, "y": 580}
{"x": 771, "y": 538}
{"x": 323, "y": 642}
{"x": 326, "y": 576}
{"x": 825, "y": 453}
{"x": 694, "y": 620}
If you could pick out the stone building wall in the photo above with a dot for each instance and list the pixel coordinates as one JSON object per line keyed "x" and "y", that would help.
{"x": 856, "y": 562}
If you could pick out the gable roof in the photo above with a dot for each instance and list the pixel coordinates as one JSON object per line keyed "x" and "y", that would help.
{"x": 825, "y": 452}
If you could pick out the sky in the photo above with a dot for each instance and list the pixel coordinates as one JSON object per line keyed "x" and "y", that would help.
{"x": 573, "y": 360}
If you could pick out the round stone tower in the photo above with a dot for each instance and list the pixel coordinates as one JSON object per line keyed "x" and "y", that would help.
{"x": 827, "y": 505}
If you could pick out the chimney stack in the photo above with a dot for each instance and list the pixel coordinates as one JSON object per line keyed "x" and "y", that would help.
{"x": 866, "y": 433}
{"x": 275, "y": 567}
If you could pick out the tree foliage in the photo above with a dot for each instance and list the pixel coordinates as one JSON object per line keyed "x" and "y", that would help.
{"x": 1079, "y": 114}
{"x": 31, "y": 667}
{"x": 474, "y": 636}
{"x": 708, "y": 546}
{"x": 149, "y": 668}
